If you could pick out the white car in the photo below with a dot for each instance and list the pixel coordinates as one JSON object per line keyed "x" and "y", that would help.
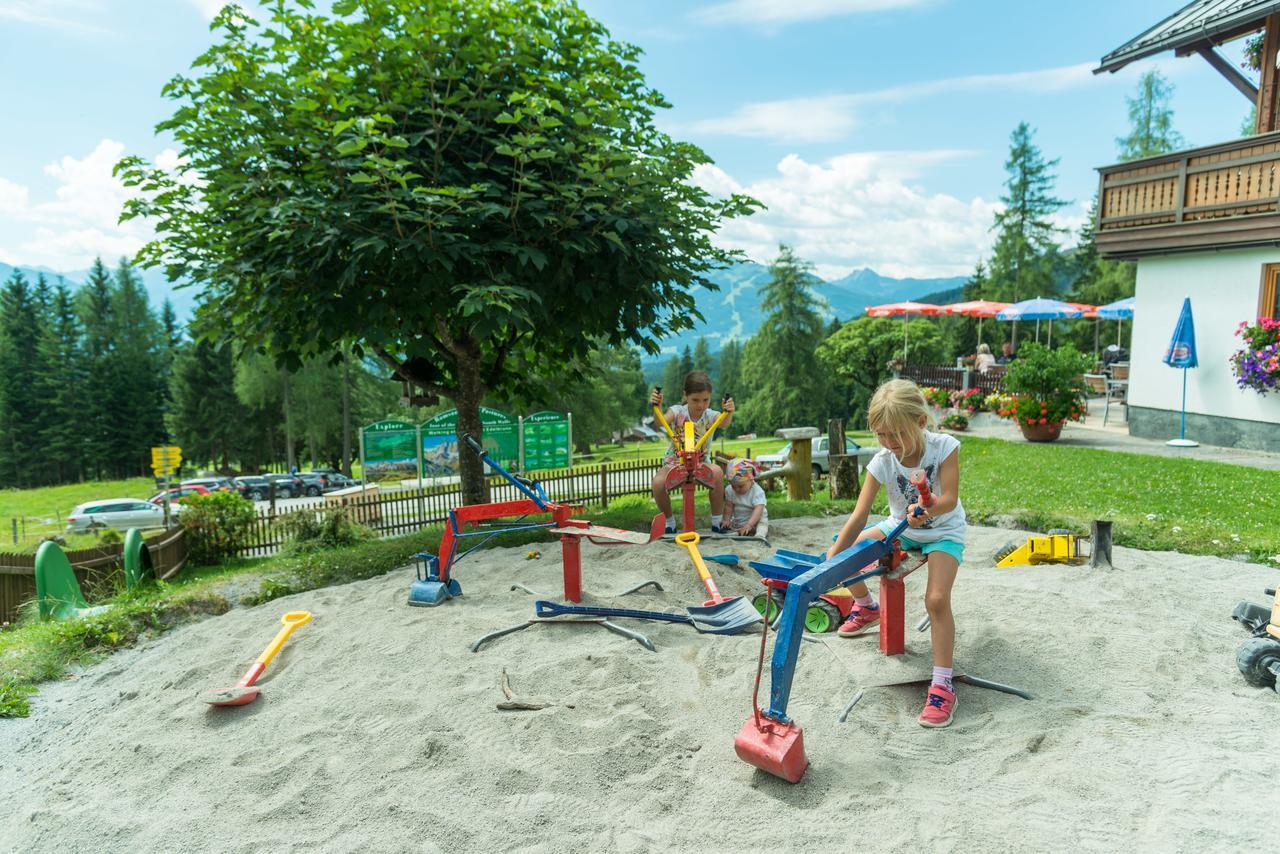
{"x": 122, "y": 513}
{"x": 820, "y": 462}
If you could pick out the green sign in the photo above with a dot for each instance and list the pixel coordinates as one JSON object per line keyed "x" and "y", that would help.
{"x": 390, "y": 450}
{"x": 546, "y": 441}
{"x": 440, "y": 441}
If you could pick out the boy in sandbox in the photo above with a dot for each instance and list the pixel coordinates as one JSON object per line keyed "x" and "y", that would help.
{"x": 899, "y": 416}
{"x": 696, "y": 408}
{"x": 745, "y": 498}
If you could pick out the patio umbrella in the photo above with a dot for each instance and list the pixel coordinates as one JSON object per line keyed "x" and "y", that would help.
{"x": 903, "y": 310}
{"x": 1120, "y": 310}
{"x": 1090, "y": 313}
{"x": 1039, "y": 309}
{"x": 978, "y": 308}
{"x": 1182, "y": 354}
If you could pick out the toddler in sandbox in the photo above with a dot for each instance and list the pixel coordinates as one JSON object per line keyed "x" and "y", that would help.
{"x": 745, "y": 499}
{"x": 696, "y": 408}
{"x": 899, "y": 417}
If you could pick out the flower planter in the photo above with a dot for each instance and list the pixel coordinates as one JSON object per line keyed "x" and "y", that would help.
{"x": 1041, "y": 432}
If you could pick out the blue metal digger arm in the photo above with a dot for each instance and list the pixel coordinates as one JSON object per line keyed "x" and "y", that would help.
{"x": 531, "y": 489}
{"x": 844, "y": 568}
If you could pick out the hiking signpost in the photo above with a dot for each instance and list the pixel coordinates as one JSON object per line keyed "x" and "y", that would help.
{"x": 165, "y": 462}
{"x": 546, "y": 441}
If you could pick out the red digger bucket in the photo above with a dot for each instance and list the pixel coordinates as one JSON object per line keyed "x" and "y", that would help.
{"x": 772, "y": 747}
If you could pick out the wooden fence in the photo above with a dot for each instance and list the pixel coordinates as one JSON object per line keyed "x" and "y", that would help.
{"x": 955, "y": 379}
{"x": 392, "y": 513}
{"x": 95, "y": 568}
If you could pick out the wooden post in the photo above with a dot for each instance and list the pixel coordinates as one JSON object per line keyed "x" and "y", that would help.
{"x": 1268, "y": 104}
{"x": 604, "y": 486}
{"x": 799, "y": 461}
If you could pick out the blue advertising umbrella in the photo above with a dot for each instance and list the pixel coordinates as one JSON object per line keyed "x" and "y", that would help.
{"x": 1039, "y": 309}
{"x": 1182, "y": 354}
{"x": 1120, "y": 310}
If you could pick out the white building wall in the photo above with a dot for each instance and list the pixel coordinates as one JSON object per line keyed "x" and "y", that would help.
{"x": 1223, "y": 287}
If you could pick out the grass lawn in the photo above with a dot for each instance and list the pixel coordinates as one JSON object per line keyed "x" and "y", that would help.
{"x": 43, "y": 512}
{"x": 1155, "y": 503}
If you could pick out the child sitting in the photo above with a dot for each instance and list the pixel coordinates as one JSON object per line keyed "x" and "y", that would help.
{"x": 696, "y": 408}
{"x": 746, "y": 500}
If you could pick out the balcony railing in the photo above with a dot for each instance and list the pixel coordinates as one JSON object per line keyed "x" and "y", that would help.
{"x": 1219, "y": 196}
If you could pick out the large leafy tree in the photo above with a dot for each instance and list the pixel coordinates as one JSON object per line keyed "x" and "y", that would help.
{"x": 1026, "y": 238}
{"x": 1150, "y": 119}
{"x": 472, "y": 190}
{"x": 611, "y": 396}
{"x": 779, "y": 367}
{"x": 859, "y": 355}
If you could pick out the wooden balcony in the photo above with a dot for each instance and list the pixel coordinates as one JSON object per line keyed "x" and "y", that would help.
{"x": 1218, "y": 197}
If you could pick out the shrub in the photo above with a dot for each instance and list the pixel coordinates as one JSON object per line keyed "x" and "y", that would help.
{"x": 938, "y": 397}
{"x": 968, "y": 401}
{"x": 956, "y": 421}
{"x": 309, "y": 529}
{"x": 217, "y": 525}
{"x": 1046, "y": 385}
{"x": 110, "y": 536}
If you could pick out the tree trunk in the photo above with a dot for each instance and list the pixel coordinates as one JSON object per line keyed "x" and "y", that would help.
{"x": 290, "y": 459}
{"x": 346, "y": 412}
{"x": 470, "y": 392}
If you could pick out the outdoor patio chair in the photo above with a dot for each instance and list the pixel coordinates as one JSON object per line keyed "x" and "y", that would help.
{"x": 1120, "y": 371}
{"x": 1096, "y": 384}
{"x": 1117, "y": 390}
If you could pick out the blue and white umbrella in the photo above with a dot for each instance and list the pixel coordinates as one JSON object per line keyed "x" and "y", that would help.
{"x": 1039, "y": 309}
{"x": 1120, "y": 310}
{"x": 1182, "y": 354}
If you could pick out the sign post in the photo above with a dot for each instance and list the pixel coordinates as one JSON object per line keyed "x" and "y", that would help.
{"x": 165, "y": 462}
{"x": 546, "y": 441}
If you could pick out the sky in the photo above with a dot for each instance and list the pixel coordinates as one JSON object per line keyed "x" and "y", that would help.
{"x": 874, "y": 130}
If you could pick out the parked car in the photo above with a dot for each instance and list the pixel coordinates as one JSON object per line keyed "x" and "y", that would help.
{"x": 213, "y": 484}
{"x": 314, "y": 483}
{"x": 177, "y": 494}
{"x": 254, "y": 488}
{"x": 119, "y": 513}
{"x": 287, "y": 485}
{"x": 821, "y": 455}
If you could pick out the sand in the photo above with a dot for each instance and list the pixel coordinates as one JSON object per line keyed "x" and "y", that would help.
{"x": 378, "y": 729}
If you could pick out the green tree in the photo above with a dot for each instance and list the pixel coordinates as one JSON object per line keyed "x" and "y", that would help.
{"x": 63, "y": 389}
{"x": 94, "y": 307}
{"x": 610, "y": 396}
{"x": 1021, "y": 266}
{"x": 206, "y": 418}
{"x": 262, "y": 384}
{"x": 1150, "y": 120}
{"x": 730, "y": 374}
{"x": 860, "y": 352}
{"x": 779, "y": 366}
{"x": 473, "y": 191}
{"x": 672, "y": 381}
{"x": 686, "y": 361}
{"x": 135, "y": 377}
{"x": 20, "y": 335}
{"x": 702, "y": 358}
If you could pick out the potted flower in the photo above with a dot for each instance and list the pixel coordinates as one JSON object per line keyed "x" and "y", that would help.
{"x": 1257, "y": 364}
{"x": 956, "y": 422}
{"x": 939, "y": 398}
{"x": 1047, "y": 387}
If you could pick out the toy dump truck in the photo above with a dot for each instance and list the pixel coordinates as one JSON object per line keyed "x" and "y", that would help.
{"x": 1259, "y": 657}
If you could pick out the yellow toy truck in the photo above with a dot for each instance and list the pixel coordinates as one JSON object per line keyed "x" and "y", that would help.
{"x": 1058, "y": 546}
{"x": 1259, "y": 657}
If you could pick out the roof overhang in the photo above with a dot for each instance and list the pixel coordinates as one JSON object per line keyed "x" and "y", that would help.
{"x": 1196, "y": 27}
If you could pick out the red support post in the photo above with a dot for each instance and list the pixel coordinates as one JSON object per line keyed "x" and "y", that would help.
{"x": 687, "y": 506}
{"x": 893, "y": 608}
{"x": 570, "y": 554}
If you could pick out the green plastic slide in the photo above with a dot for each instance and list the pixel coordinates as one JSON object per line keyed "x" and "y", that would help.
{"x": 57, "y": 591}
{"x": 137, "y": 560}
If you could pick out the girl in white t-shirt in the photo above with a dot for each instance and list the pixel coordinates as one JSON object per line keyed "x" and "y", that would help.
{"x": 744, "y": 499}
{"x": 899, "y": 416}
{"x": 697, "y": 409}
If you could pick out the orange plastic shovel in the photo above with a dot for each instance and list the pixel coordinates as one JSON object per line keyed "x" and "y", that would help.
{"x": 245, "y": 691}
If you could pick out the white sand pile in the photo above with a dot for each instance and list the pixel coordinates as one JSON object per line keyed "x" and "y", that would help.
{"x": 378, "y": 730}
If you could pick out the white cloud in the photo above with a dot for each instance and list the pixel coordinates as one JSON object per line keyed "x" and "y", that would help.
{"x": 786, "y": 11}
{"x": 66, "y": 15}
{"x": 81, "y": 218}
{"x": 209, "y": 8}
{"x": 860, "y": 209}
{"x": 829, "y": 117}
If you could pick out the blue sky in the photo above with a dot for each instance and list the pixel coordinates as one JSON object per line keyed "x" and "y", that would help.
{"x": 875, "y": 130}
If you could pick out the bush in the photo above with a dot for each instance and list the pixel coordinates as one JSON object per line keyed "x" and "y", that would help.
{"x": 1047, "y": 386}
{"x": 309, "y": 529}
{"x": 938, "y": 397}
{"x": 956, "y": 421}
{"x": 109, "y": 536}
{"x": 217, "y": 525}
{"x": 968, "y": 401}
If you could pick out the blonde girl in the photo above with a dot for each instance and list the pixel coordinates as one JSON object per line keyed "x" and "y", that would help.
{"x": 899, "y": 417}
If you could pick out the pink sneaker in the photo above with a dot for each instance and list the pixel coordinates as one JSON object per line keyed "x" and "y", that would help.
{"x": 939, "y": 706}
{"x": 860, "y": 619}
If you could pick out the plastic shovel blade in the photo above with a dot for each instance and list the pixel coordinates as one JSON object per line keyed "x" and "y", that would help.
{"x": 237, "y": 696}
{"x": 730, "y": 616}
{"x": 773, "y": 747}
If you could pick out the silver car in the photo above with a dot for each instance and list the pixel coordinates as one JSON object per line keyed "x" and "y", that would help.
{"x": 122, "y": 513}
{"x": 821, "y": 455}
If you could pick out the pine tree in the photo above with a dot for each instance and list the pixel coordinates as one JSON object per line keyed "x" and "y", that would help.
{"x": 94, "y": 306}
{"x": 672, "y": 381}
{"x": 780, "y": 370}
{"x": 21, "y": 329}
{"x": 686, "y": 362}
{"x": 62, "y": 388}
{"x": 206, "y": 418}
{"x": 1022, "y": 264}
{"x": 730, "y": 368}
{"x": 136, "y": 392}
{"x": 1150, "y": 120}
{"x": 702, "y": 357}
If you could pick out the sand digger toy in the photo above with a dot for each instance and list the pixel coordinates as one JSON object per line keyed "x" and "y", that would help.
{"x": 1259, "y": 657}
{"x": 1055, "y": 547}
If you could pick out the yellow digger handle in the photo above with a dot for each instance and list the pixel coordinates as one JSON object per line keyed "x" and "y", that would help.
{"x": 710, "y": 430}
{"x": 289, "y": 622}
{"x": 689, "y": 540}
{"x": 662, "y": 419}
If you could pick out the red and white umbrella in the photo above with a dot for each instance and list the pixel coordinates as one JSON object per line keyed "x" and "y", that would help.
{"x": 979, "y": 308}
{"x": 904, "y": 310}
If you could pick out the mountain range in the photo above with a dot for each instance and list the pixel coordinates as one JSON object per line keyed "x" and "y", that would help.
{"x": 734, "y": 312}
{"x": 158, "y": 287}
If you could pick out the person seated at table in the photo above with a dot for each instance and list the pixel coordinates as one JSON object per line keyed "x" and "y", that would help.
{"x": 1114, "y": 353}
{"x": 1006, "y": 354}
{"x": 984, "y": 360}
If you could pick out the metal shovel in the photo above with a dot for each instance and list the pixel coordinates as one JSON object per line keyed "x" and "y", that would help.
{"x": 715, "y": 624}
{"x": 733, "y": 614}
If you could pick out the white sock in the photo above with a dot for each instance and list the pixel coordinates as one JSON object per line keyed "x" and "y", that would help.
{"x": 867, "y": 601}
{"x": 942, "y": 676}
{"x": 715, "y": 521}
{"x": 671, "y": 523}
